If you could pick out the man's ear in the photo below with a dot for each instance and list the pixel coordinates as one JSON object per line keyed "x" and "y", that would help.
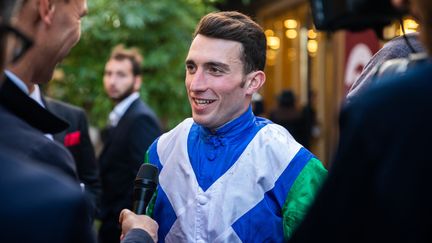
{"x": 255, "y": 80}
{"x": 137, "y": 83}
{"x": 46, "y": 11}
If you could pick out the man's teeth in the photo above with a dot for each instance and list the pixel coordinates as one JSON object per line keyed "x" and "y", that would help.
{"x": 203, "y": 102}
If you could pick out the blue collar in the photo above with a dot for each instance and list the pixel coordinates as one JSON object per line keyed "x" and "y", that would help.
{"x": 230, "y": 132}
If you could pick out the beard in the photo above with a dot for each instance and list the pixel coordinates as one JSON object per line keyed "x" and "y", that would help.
{"x": 124, "y": 95}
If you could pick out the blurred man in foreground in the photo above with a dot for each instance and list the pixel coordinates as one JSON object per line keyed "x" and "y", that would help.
{"x": 54, "y": 26}
{"x": 41, "y": 201}
{"x": 378, "y": 186}
{"x": 38, "y": 204}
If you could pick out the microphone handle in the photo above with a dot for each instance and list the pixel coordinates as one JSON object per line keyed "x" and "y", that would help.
{"x": 142, "y": 197}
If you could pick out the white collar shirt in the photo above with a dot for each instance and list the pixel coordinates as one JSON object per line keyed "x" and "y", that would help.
{"x": 35, "y": 95}
{"x": 120, "y": 109}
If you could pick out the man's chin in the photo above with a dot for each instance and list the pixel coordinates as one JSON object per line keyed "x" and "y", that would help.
{"x": 115, "y": 99}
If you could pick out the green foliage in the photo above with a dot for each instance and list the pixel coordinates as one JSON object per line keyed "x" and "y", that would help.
{"x": 161, "y": 29}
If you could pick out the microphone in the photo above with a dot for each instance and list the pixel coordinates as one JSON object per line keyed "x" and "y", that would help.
{"x": 144, "y": 187}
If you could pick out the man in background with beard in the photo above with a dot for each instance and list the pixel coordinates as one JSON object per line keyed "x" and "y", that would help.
{"x": 132, "y": 127}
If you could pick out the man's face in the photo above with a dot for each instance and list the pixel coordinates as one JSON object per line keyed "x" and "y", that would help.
{"x": 67, "y": 25}
{"x": 214, "y": 78}
{"x": 119, "y": 81}
{"x": 55, "y": 34}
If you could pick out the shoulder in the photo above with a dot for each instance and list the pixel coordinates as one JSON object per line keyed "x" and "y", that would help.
{"x": 140, "y": 109}
{"x": 139, "y": 106}
{"x": 414, "y": 84}
{"x": 396, "y": 99}
{"x": 57, "y": 107}
{"x": 182, "y": 128}
{"x": 275, "y": 133}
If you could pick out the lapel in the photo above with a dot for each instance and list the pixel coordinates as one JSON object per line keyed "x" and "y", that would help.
{"x": 59, "y": 136}
{"x": 24, "y": 107}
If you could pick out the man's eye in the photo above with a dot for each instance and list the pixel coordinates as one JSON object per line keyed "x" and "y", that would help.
{"x": 214, "y": 70}
{"x": 190, "y": 68}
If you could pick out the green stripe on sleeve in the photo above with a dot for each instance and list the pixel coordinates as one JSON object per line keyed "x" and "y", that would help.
{"x": 302, "y": 194}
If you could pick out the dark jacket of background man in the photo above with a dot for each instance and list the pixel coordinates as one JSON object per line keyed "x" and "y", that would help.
{"x": 77, "y": 140}
{"x": 124, "y": 150}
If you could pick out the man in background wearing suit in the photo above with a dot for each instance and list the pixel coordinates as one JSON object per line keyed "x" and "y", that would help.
{"x": 133, "y": 127}
{"x": 76, "y": 139}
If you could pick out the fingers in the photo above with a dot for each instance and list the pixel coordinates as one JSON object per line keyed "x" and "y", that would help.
{"x": 123, "y": 214}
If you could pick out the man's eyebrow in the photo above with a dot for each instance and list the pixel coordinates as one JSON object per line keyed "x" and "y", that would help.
{"x": 218, "y": 64}
{"x": 189, "y": 62}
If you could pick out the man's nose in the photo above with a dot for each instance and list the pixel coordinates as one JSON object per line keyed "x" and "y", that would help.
{"x": 198, "y": 81}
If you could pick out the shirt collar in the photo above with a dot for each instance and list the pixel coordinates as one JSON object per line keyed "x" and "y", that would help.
{"x": 121, "y": 108}
{"x": 17, "y": 81}
{"x": 230, "y": 131}
{"x": 37, "y": 96}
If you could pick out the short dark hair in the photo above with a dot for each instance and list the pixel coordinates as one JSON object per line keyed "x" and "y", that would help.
{"x": 120, "y": 53}
{"x": 235, "y": 26}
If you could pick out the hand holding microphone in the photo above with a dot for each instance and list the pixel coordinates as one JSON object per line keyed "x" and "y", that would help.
{"x": 130, "y": 220}
{"x": 144, "y": 188}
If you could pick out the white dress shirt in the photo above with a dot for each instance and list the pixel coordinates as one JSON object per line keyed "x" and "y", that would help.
{"x": 117, "y": 113}
{"x": 35, "y": 95}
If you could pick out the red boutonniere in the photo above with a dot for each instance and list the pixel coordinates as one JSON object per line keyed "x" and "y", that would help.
{"x": 73, "y": 138}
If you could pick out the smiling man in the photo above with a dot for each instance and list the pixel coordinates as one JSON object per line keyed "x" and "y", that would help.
{"x": 225, "y": 174}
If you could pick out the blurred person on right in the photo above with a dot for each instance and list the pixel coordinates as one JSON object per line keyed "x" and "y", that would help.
{"x": 378, "y": 185}
{"x": 384, "y": 62}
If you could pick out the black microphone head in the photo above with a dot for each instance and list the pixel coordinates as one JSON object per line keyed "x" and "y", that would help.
{"x": 148, "y": 172}
{"x": 144, "y": 186}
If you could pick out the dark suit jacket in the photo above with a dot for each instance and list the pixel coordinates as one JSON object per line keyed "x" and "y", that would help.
{"x": 77, "y": 140}
{"x": 39, "y": 204}
{"x": 41, "y": 200}
{"x": 123, "y": 153}
{"x": 378, "y": 188}
{"x": 27, "y": 135}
